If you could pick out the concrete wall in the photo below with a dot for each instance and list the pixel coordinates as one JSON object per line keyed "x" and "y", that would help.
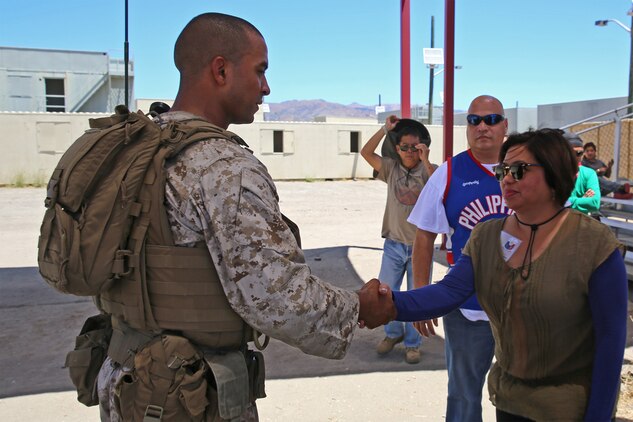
{"x": 558, "y": 115}
{"x": 32, "y": 144}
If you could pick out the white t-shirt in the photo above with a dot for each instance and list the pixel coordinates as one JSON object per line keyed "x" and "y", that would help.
{"x": 429, "y": 214}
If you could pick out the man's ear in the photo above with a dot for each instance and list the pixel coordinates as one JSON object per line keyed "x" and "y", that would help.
{"x": 218, "y": 69}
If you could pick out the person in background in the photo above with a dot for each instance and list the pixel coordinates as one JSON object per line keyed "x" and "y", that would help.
{"x": 462, "y": 192}
{"x": 405, "y": 177}
{"x": 554, "y": 285}
{"x": 585, "y": 197}
{"x": 603, "y": 171}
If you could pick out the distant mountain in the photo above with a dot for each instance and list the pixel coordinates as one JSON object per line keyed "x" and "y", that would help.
{"x": 307, "y": 110}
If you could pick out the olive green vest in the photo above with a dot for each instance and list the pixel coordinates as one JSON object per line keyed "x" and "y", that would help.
{"x": 542, "y": 326}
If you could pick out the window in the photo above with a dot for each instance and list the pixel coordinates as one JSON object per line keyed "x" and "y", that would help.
{"x": 55, "y": 97}
{"x": 278, "y": 141}
{"x": 354, "y": 142}
{"x": 349, "y": 142}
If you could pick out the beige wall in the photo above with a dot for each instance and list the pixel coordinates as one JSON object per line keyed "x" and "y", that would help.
{"x": 32, "y": 144}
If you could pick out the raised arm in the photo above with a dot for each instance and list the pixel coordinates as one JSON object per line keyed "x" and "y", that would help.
{"x": 369, "y": 149}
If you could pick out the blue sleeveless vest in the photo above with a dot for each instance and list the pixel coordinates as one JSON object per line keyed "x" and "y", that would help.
{"x": 472, "y": 195}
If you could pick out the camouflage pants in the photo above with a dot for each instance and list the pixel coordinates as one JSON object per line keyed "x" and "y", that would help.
{"x": 109, "y": 411}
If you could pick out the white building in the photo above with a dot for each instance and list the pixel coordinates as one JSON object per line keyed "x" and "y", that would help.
{"x": 40, "y": 80}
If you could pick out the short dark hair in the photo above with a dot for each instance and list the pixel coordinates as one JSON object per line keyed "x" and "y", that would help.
{"x": 552, "y": 151}
{"x": 414, "y": 128}
{"x": 210, "y": 35}
{"x": 589, "y": 145}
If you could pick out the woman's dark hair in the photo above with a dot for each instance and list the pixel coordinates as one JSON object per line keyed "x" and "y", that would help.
{"x": 589, "y": 145}
{"x": 553, "y": 152}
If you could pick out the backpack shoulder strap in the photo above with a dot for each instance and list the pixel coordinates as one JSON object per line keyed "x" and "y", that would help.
{"x": 178, "y": 135}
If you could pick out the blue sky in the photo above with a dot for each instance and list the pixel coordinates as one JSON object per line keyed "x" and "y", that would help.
{"x": 526, "y": 52}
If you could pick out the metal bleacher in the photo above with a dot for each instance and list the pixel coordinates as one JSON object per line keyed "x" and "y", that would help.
{"x": 618, "y": 215}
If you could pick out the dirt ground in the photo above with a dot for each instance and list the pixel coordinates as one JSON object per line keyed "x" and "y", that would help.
{"x": 340, "y": 224}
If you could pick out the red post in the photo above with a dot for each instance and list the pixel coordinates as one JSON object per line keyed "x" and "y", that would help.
{"x": 405, "y": 58}
{"x": 449, "y": 76}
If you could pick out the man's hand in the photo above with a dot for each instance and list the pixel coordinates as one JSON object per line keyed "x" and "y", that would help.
{"x": 426, "y": 327}
{"x": 376, "y": 305}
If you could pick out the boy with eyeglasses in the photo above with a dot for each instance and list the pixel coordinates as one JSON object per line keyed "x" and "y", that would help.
{"x": 462, "y": 192}
{"x": 405, "y": 176}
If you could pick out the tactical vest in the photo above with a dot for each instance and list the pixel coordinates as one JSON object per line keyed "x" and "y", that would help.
{"x": 174, "y": 289}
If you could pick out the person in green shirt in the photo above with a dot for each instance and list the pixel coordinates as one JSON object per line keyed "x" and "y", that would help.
{"x": 585, "y": 197}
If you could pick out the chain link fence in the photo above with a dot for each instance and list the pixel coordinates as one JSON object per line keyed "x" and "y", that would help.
{"x": 603, "y": 135}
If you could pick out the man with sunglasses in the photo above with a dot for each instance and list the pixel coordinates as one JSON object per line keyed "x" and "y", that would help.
{"x": 405, "y": 177}
{"x": 462, "y": 192}
{"x": 586, "y": 194}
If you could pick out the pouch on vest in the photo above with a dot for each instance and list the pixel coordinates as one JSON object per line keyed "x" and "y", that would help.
{"x": 84, "y": 362}
{"x": 256, "y": 374}
{"x": 168, "y": 383}
{"x": 231, "y": 382}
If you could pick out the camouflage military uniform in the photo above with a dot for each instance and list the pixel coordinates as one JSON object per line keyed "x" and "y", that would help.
{"x": 219, "y": 193}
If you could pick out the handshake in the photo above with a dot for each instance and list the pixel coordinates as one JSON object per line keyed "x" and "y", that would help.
{"x": 376, "y": 305}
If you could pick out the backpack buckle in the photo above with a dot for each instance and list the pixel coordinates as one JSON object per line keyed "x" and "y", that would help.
{"x": 121, "y": 266}
{"x": 153, "y": 413}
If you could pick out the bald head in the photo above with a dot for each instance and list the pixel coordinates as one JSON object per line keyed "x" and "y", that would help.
{"x": 487, "y": 100}
{"x": 209, "y": 35}
{"x": 486, "y": 137}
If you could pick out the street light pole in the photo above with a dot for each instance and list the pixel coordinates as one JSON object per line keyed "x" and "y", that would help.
{"x": 631, "y": 64}
{"x": 604, "y": 22}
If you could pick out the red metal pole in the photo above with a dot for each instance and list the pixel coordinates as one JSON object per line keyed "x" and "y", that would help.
{"x": 449, "y": 76}
{"x": 405, "y": 58}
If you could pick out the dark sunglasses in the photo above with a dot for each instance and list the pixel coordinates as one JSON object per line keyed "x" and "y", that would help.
{"x": 579, "y": 153}
{"x": 406, "y": 147}
{"x": 488, "y": 119}
{"x": 517, "y": 170}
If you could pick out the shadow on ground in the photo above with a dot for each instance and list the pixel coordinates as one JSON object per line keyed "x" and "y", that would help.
{"x": 40, "y": 326}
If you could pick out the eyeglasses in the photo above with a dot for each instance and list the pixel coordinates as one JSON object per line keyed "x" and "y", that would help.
{"x": 407, "y": 147}
{"x": 517, "y": 170}
{"x": 579, "y": 153}
{"x": 488, "y": 119}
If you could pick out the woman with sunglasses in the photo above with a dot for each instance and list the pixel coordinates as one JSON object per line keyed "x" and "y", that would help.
{"x": 553, "y": 284}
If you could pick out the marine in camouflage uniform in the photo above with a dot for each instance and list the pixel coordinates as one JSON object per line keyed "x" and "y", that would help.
{"x": 219, "y": 193}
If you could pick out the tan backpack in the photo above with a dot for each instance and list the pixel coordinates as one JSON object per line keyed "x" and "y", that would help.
{"x": 92, "y": 198}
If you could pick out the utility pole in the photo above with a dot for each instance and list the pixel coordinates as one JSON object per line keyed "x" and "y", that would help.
{"x": 630, "y": 110}
{"x": 431, "y": 73}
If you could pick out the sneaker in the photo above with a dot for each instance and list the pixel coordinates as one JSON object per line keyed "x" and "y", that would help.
{"x": 618, "y": 195}
{"x": 387, "y": 344}
{"x": 412, "y": 355}
{"x": 625, "y": 188}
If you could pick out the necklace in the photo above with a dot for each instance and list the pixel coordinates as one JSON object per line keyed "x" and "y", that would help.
{"x": 528, "y": 252}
